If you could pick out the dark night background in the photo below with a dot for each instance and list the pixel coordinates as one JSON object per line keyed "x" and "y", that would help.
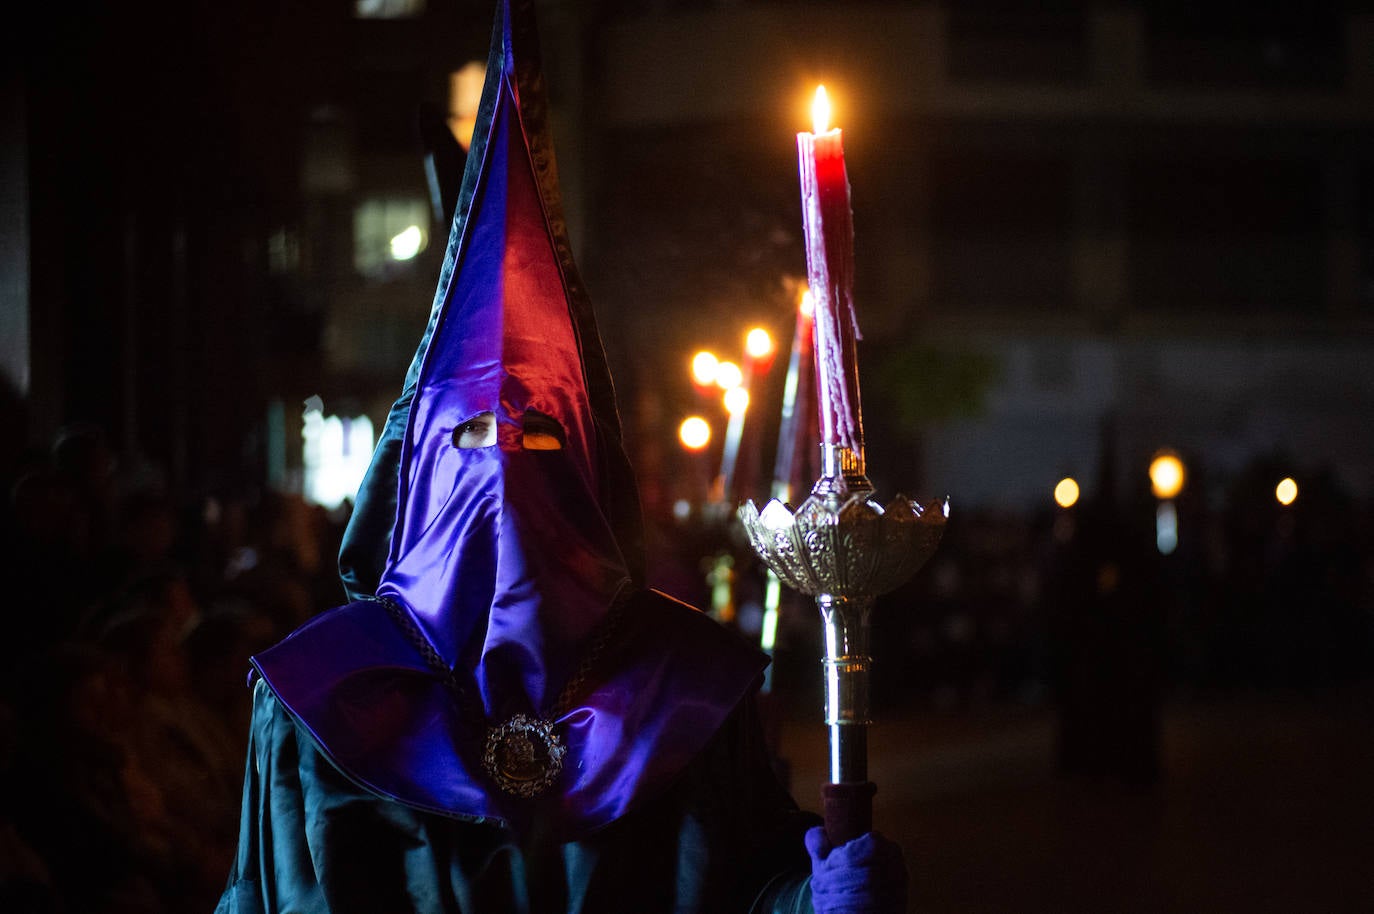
{"x": 1086, "y": 232}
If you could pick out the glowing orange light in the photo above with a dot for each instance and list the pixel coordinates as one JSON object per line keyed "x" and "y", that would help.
{"x": 820, "y": 111}
{"x": 704, "y": 366}
{"x": 1166, "y": 475}
{"x": 758, "y": 343}
{"x": 728, "y": 376}
{"x": 807, "y": 304}
{"x": 1286, "y": 491}
{"x": 736, "y": 400}
{"x": 694, "y": 433}
{"x": 1066, "y": 492}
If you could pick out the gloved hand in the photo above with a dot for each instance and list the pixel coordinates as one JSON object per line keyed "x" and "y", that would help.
{"x": 864, "y": 876}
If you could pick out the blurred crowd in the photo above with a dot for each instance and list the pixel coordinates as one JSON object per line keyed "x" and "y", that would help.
{"x": 1077, "y": 611}
{"x": 132, "y": 612}
{"x": 1256, "y": 594}
{"x": 1081, "y": 610}
{"x": 124, "y": 709}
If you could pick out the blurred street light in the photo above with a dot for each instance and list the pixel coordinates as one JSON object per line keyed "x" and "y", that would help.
{"x": 1166, "y": 479}
{"x": 1066, "y": 492}
{"x": 1286, "y": 491}
{"x": 1167, "y": 475}
{"x": 736, "y": 401}
{"x": 1166, "y": 527}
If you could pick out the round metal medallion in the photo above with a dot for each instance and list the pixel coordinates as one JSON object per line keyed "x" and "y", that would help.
{"x": 523, "y": 755}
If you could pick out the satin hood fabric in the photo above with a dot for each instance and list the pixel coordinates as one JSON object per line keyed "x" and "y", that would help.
{"x": 505, "y": 561}
{"x": 504, "y": 556}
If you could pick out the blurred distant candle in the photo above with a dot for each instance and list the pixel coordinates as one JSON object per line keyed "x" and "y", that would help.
{"x": 829, "y": 228}
{"x": 795, "y": 395}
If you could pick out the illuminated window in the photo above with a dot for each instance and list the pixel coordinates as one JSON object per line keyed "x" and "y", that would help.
{"x": 388, "y": 9}
{"x": 335, "y": 456}
{"x": 464, "y": 98}
{"x": 389, "y": 233}
{"x": 283, "y": 252}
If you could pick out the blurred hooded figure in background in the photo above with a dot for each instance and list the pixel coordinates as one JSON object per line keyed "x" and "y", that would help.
{"x": 504, "y": 719}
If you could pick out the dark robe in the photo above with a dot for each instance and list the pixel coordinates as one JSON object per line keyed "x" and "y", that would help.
{"x": 724, "y": 838}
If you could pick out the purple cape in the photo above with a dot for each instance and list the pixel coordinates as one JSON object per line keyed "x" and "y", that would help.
{"x": 363, "y": 691}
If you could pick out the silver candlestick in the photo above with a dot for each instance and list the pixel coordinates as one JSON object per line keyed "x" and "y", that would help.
{"x": 845, "y": 549}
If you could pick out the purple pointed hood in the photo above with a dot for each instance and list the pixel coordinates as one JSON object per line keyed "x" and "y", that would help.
{"x": 508, "y": 557}
{"x": 504, "y": 560}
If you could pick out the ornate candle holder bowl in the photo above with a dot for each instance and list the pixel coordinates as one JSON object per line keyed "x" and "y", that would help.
{"x": 845, "y": 549}
{"x": 841, "y": 543}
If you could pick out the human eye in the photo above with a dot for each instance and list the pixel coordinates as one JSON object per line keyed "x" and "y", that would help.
{"x": 479, "y": 431}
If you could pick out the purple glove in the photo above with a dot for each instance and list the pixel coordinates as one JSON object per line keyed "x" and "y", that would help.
{"x": 864, "y": 876}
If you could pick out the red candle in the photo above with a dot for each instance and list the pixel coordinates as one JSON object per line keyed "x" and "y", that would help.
{"x": 829, "y": 228}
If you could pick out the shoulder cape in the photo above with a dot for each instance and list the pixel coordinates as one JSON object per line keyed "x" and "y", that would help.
{"x": 363, "y": 691}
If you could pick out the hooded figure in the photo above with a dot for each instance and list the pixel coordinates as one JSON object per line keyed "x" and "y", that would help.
{"x": 504, "y": 719}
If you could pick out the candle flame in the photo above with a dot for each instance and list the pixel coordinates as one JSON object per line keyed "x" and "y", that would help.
{"x": 820, "y": 111}
{"x": 694, "y": 433}
{"x": 729, "y": 376}
{"x": 704, "y": 365}
{"x": 758, "y": 343}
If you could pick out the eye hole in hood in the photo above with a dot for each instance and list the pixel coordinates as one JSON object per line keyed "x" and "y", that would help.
{"x": 541, "y": 432}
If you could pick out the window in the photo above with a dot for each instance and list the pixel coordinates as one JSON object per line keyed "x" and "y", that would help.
{"x": 1234, "y": 43}
{"x": 1000, "y": 41}
{"x": 1002, "y": 224}
{"x": 388, "y": 9}
{"x": 335, "y": 456}
{"x": 1226, "y": 233}
{"x": 388, "y": 234}
{"x": 464, "y": 98}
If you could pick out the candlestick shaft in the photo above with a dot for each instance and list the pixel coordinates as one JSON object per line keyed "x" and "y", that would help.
{"x": 847, "y": 664}
{"x": 842, "y": 468}
{"x": 848, "y": 753}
